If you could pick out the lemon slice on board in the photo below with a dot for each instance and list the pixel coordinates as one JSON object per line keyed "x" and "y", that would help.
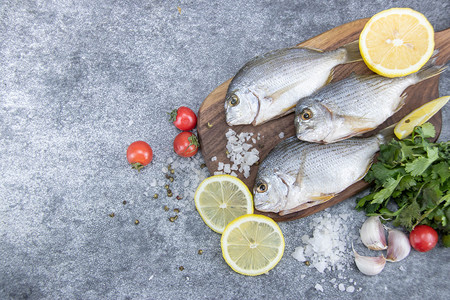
{"x": 419, "y": 116}
{"x": 396, "y": 42}
{"x": 252, "y": 244}
{"x": 220, "y": 199}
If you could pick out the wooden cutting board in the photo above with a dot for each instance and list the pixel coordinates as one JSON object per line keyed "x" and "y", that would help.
{"x": 212, "y": 126}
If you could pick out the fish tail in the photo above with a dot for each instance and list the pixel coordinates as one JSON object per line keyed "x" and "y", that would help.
{"x": 386, "y": 134}
{"x": 353, "y": 53}
{"x": 430, "y": 69}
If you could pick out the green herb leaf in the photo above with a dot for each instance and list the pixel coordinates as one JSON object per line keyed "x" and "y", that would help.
{"x": 411, "y": 182}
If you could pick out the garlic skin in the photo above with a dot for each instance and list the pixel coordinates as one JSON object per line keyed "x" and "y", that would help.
{"x": 369, "y": 265}
{"x": 372, "y": 234}
{"x": 399, "y": 246}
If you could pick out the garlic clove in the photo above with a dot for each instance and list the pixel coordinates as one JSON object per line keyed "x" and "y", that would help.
{"x": 399, "y": 246}
{"x": 369, "y": 265}
{"x": 372, "y": 234}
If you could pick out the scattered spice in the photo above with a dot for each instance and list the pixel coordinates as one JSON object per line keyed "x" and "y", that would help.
{"x": 112, "y": 215}
{"x": 172, "y": 219}
{"x": 307, "y": 263}
{"x": 202, "y": 166}
{"x": 136, "y": 222}
{"x": 169, "y": 193}
{"x": 155, "y": 196}
{"x": 200, "y": 252}
{"x": 171, "y": 179}
{"x": 179, "y": 197}
{"x": 166, "y": 208}
{"x": 167, "y": 176}
{"x": 176, "y": 210}
{"x": 172, "y": 171}
{"x": 210, "y": 125}
{"x": 166, "y": 186}
{"x": 124, "y": 202}
{"x": 181, "y": 268}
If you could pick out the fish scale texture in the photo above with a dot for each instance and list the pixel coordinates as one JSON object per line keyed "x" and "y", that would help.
{"x": 80, "y": 81}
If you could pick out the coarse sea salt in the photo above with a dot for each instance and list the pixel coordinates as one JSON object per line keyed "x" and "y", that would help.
{"x": 240, "y": 152}
{"x": 327, "y": 248}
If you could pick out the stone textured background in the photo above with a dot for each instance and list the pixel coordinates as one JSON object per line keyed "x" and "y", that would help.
{"x": 81, "y": 80}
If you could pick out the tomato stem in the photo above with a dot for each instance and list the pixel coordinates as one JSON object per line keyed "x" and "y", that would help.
{"x": 137, "y": 166}
{"x": 173, "y": 115}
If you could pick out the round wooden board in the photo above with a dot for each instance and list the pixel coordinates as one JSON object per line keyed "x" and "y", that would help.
{"x": 212, "y": 126}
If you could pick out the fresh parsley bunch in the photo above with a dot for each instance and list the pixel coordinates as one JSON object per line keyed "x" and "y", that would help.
{"x": 411, "y": 182}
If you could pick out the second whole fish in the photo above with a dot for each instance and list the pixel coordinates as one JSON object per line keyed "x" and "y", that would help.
{"x": 296, "y": 174}
{"x": 354, "y": 105}
{"x": 269, "y": 86}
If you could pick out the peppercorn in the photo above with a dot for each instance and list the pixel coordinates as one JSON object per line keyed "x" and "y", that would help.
{"x": 112, "y": 215}
{"x": 200, "y": 252}
{"x": 136, "y": 222}
{"x": 181, "y": 268}
{"x": 155, "y": 196}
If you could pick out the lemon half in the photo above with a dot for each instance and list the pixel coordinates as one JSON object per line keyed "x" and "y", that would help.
{"x": 419, "y": 116}
{"x": 396, "y": 42}
{"x": 220, "y": 199}
{"x": 252, "y": 244}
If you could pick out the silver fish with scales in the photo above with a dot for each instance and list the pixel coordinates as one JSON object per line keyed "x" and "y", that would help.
{"x": 269, "y": 86}
{"x": 354, "y": 105}
{"x": 297, "y": 175}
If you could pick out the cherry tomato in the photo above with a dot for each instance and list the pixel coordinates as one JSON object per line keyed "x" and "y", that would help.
{"x": 183, "y": 118}
{"x": 423, "y": 238}
{"x": 139, "y": 154}
{"x": 186, "y": 144}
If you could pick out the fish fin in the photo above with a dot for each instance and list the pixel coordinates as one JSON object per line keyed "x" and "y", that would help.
{"x": 298, "y": 208}
{"x": 312, "y": 48}
{"x": 386, "y": 134}
{"x": 429, "y": 70}
{"x": 323, "y": 197}
{"x": 367, "y": 169}
{"x": 280, "y": 92}
{"x": 314, "y": 201}
{"x": 402, "y": 102}
{"x": 353, "y": 53}
{"x": 330, "y": 77}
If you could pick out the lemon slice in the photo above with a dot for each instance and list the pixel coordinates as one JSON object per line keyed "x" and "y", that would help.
{"x": 396, "y": 42}
{"x": 419, "y": 116}
{"x": 252, "y": 244}
{"x": 220, "y": 199}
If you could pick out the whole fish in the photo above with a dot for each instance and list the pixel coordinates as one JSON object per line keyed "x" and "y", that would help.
{"x": 269, "y": 86}
{"x": 296, "y": 174}
{"x": 354, "y": 105}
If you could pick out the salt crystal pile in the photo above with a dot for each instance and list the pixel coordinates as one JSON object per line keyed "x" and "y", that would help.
{"x": 326, "y": 249}
{"x": 240, "y": 153}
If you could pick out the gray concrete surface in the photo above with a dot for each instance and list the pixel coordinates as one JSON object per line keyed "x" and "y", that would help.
{"x": 80, "y": 81}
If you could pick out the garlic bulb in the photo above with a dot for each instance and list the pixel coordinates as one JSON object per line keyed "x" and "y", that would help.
{"x": 399, "y": 246}
{"x": 372, "y": 234}
{"x": 369, "y": 265}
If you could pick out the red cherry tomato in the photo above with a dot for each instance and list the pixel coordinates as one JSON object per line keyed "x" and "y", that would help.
{"x": 423, "y": 238}
{"x": 185, "y": 144}
{"x": 139, "y": 154}
{"x": 183, "y": 118}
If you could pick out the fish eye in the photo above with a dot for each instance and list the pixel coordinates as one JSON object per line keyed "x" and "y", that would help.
{"x": 261, "y": 187}
{"x": 306, "y": 114}
{"x": 234, "y": 100}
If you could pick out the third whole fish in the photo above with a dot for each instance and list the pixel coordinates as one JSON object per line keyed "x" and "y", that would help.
{"x": 296, "y": 175}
